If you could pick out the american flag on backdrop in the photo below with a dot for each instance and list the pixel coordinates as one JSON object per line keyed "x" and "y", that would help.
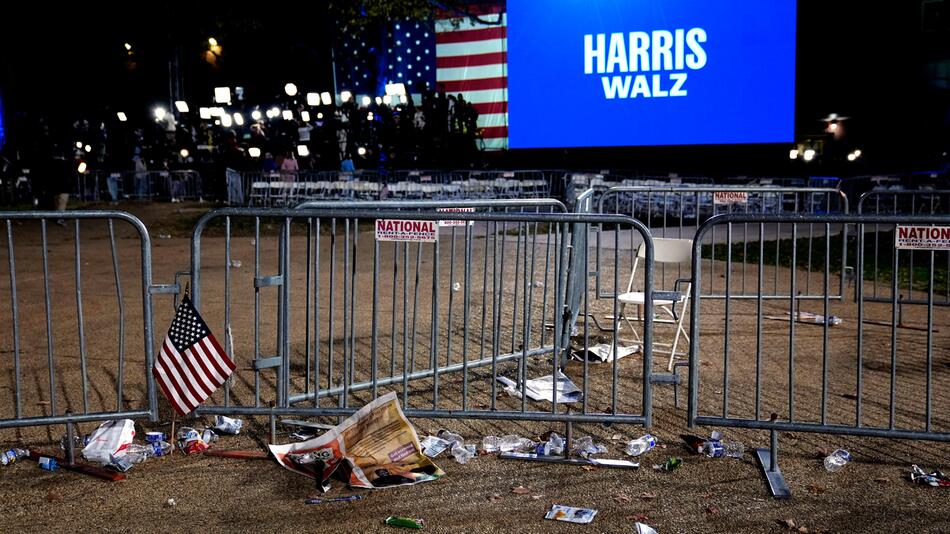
{"x": 452, "y": 52}
{"x": 191, "y": 364}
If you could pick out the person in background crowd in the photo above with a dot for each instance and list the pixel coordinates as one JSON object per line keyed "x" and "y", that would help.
{"x": 61, "y": 176}
{"x": 270, "y": 165}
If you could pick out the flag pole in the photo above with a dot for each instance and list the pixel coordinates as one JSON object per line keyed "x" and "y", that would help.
{"x": 172, "y": 437}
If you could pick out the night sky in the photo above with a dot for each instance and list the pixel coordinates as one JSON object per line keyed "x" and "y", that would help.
{"x": 856, "y": 59}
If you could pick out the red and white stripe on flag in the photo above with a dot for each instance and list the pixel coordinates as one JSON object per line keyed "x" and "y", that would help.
{"x": 472, "y": 59}
{"x": 191, "y": 364}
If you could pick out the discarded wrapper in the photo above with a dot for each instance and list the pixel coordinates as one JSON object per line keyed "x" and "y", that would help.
{"x": 604, "y": 352}
{"x": 433, "y": 446}
{"x": 559, "y": 512}
{"x": 406, "y": 522}
{"x": 348, "y": 498}
{"x": 643, "y": 528}
{"x": 227, "y": 425}
{"x": 543, "y": 389}
{"x": 935, "y": 478}
{"x": 669, "y": 465}
{"x": 110, "y": 438}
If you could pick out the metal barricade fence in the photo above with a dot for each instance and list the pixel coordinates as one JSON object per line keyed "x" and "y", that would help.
{"x": 885, "y": 259}
{"x": 52, "y": 273}
{"x": 99, "y": 186}
{"x": 439, "y": 324}
{"x": 840, "y": 367}
{"x": 676, "y": 212}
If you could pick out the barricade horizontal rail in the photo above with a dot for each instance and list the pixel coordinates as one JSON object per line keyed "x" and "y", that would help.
{"x": 438, "y": 322}
{"x": 139, "y": 185}
{"x": 862, "y": 368}
{"x": 676, "y": 212}
{"x": 901, "y": 202}
{"x": 81, "y": 377}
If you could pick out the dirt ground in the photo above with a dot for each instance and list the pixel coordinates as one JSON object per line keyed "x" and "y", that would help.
{"x": 872, "y": 493}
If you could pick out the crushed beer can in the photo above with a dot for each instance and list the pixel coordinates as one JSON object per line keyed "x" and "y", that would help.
{"x": 208, "y": 436}
{"x": 227, "y": 425}
{"x": 154, "y": 437}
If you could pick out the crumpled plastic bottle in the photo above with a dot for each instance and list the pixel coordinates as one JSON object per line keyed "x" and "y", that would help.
{"x": 135, "y": 453}
{"x": 508, "y": 443}
{"x": 585, "y": 447}
{"x": 552, "y": 447}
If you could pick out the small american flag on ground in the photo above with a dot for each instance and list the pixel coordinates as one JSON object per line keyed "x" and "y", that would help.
{"x": 191, "y": 364}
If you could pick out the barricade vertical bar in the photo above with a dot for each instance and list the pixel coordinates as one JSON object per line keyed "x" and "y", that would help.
{"x": 15, "y": 311}
{"x": 121, "y": 307}
{"x": 374, "y": 354}
{"x": 910, "y": 253}
{"x": 346, "y": 314}
{"x": 331, "y": 311}
{"x": 147, "y": 319}
{"x": 895, "y": 320}
{"x": 80, "y": 325}
{"x": 758, "y": 323}
{"x": 227, "y": 305}
{"x": 587, "y": 317}
{"x": 481, "y": 352}
{"x": 392, "y": 356}
{"x": 448, "y": 336}
{"x": 316, "y": 315}
{"x": 726, "y": 318}
{"x": 257, "y": 306}
{"x": 494, "y": 319}
{"x": 793, "y": 318}
{"x": 648, "y": 284}
{"x": 308, "y": 293}
{"x": 825, "y": 326}
{"x": 434, "y": 331}
{"x": 415, "y": 306}
{"x": 859, "y": 291}
{"x": 615, "y": 371}
{"x": 405, "y": 324}
{"x": 547, "y": 268}
{"x": 930, "y": 338}
{"x": 49, "y": 320}
{"x": 466, "y": 314}
{"x": 285, "y": 289}
{"x": 353, "y": 281}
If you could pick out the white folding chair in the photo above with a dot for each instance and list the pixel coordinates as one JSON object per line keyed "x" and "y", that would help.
{"x": 665, "y": 250}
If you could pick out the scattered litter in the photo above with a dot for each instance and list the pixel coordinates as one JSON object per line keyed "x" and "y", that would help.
{"x": 508, "y": 443}
{"x": 406, "y": 522}
{"x": 170, "y": 503}
{"x": 456, "y": 286}
{"x": 10, "y": 456}
{"x": 520, "y": 490}
{"x": 643, "y": 528}
{"x": 695, "y": 444}
{"x": 227, "y": 425}
{"x": 348, "y": 498}
{"x": 585, "y": 447}
{"x": 48, "y": 464}
{"x": 609, "y": 462}
{"x": 570, "y": 514}
{"x": 537, "y": 497}
{"x": 119, "y": 463}
{"x": 300, "y": 435}
{"x": 807, "y": 318}
{"x": 457, "y": 447}
{"x": 836, "y": 460}
{"x": 153, "y": 437}
{"x": 190, "y": 441}
{"x": 433, "y": 446}
{"x": 236, "y": 264}
{"x": 934, "y": 478}
{"x": 554, "y": 446}
{"x": 713, "y": 446}
{"x": 616, "y": 437}
{"x": 670, "y": 464}
{"x": 543, "y": 389}
{"x": 377, "y": 446}
{"x": 604, "y": 352}
{"x": 79, "y": 442}
{"x": 111, "y": 437}
{"x": 640, "y": 445}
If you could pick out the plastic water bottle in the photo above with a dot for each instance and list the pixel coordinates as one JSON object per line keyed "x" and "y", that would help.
{"x": 508, "y": 443}
{"x": 733, "y": 449}
{"x": 552, "y": 447}
{"x": 836, "y": 460}
{"x": 641, "y": 445}
{"x": 10, "y": 456}
{"x": 47, "y": 463}
{"x": 717, "y": 449}
{"x": 160, "y": 448}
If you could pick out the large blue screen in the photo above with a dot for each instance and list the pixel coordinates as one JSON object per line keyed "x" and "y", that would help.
{"x": 589, "y": 73}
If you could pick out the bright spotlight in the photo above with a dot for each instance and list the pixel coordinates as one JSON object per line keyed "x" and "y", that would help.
{"x": 379, "y": 100}
{"x": 122, "y": 116}
{"x": 361, "y": 151}
{"x": 160, "y": 113}
{"x": 370, "y": 116}
{"x": 403, "y": 99}
{"x": 226, "y": 120}
{"x": 326, "y": 98}
{"x": 852, "y": 157}
{"x": 82, "y": 167}
{"x": 273, "y": 113}
{"x": 217, "y": 111}
{"x": 212, "y": 41}
{"x": 287, "y": 115}
{"x": 303, "y": 151}
{"x": 290, "y": 89}
{"x": 239, "y": 119}
{"x": 313, "y": 99}
{"x": 345, "y": 96}
{"x": 319, "y": 115}
{"x": 181, "y": 106}
{"x": 809, "y": 155}
{"x": 87, "y": 148}
{"x": 832, "y": 126}
{"x": 857, "y": 153}
{"x": 793, "y": 153}
{"x": 366, "y": 101}
{"x": 305, "y": 116}
{"x": 387, "y": 100}
{"x": 256, "y": 114}
{"x": 183, "y": 153}
{"x": 128, "y": 47}
{"x": 254, "y": 152}
{"x": 78, "y": 144}
{"x": 222, "y": 95}
{"x": 204, "y": 113}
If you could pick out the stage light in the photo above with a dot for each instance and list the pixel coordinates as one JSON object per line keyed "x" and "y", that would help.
{"x": 387, "y": 100}
{"x": 808, "y": 155}
{"x": 403, "y": 99}
{"x": 857, "y": 153}
{"x": 379, "y": 100}
{"x": 78, "y": 144}
{"x": 290, "y": 89}
{"x": 305, "y": 116}
{"x": 793, "y": 153}
{"x": 87, "y": 148}
{"x": 181, "y": 106}
{"x": 160, "y": 113}
{"x": 222, "y": 95}
{"x": 217, "y": 111}
{"x": 239, "y": 119}
{"x": 204, "y": 113}
{"x": 832, "y": 126}
{"x": 395, "y": 89}
{"x": 212, "y": 41}
{"x": 183, "y": 153}
{"x": 319, "y": 116}
{"x": 82, "y": 167}
{"x": 254, "y": 152}
{"x": 226, "y": 120}
{"x": 326, "y": 98}
{"x": 287, "y": 115}
{"x": 313, "y": 99}
{"x": 256, "y": 114}
{"x": 122, "y": 116}
{"x": 345, "y": 96}
{"x": 128, "y": 47}
{"x": 852, "y": 157}
{"x": 361, "y": 151}
{"x": 370, "y": 116}
{"x": 273, "y": 113}
{"x": 303, "y": 151}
